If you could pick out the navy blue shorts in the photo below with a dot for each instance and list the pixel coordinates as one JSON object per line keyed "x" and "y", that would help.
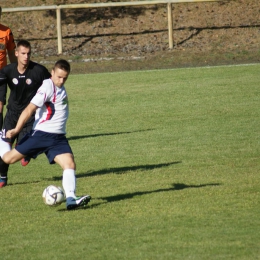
{"x": 38, "y": 142}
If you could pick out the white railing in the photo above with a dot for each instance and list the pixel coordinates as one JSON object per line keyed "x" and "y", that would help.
{"x": 103, "y": 5}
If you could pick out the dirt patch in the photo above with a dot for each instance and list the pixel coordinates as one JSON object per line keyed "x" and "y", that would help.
{"x": 127, "y": 38}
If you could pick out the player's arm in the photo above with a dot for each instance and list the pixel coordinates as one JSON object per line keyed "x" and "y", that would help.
{"x": 37, "y": 101}
{"x": 10, "y": 46}
{"x": 1, "y": 114}
{"x": 3, "y": 90}
{"x": 26, "y": 114}
{"x": 11, "y": 55}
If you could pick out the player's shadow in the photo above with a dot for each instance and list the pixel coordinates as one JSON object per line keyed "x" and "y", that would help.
{"x": 126, "y": 196}
{"x": 175, "y": 187}
{"x": 105, "y": 134}
{"x": 119, "y": 170}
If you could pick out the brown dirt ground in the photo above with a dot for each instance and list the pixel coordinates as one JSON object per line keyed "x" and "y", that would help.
{"x": 132, "y": 38}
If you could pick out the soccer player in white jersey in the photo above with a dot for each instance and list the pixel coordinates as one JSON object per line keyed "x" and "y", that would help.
{"x": 48, "y": 133}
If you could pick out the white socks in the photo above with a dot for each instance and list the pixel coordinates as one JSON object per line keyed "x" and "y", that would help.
{"x": 4, "y": 147}
{"x": 69, "y": 182}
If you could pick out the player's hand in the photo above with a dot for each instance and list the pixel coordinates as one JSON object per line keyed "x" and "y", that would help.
{"x": 11, "y": 133}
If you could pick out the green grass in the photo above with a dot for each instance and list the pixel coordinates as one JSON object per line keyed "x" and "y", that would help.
{"x": 171, "y": 159}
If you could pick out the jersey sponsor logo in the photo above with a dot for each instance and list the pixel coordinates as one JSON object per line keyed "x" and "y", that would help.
{"x": 28, "y": 81}
{"x": 15, "y": 81}
{"x": 21, "y": 76}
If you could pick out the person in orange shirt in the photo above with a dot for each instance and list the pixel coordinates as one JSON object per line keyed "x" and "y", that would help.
{"x": 7, "y": 46}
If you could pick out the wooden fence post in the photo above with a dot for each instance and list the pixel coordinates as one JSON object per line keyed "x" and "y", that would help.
{"x": 58, "y": 14}
{"x": 169, "y": 8}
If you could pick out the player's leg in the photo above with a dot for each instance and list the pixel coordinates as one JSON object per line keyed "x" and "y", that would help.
{"x": 4, "y": 147}
{"x": 9, "y": 156}
{"x": 9, "y": 123}
{"x": 66, "y": 161}
{"x": 12, "y": 156}
{"x": 3, "y": 173}
{"x": 62, "y": 155}
{"x": 60, "y": 152}
{"x": 26, "y": 129}
{"x": 31, "y": 145}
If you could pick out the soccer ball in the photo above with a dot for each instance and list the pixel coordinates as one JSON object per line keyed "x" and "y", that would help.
{"x": 53, "y": 195}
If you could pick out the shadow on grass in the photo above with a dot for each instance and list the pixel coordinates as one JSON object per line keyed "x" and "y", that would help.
{"x": 120, "y": 170}
{"x": 105, "y": 134}
{"x": 126, "y": 196}
{"x": 175, "y": 187}
{"x": 21, "y": 183}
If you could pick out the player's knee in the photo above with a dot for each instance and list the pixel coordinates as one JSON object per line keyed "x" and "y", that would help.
{"x": 68, "y": 166}
{"x": 11, "y": 157}
{"x": 66, "y": 161}
{"x": 7, "y": 159}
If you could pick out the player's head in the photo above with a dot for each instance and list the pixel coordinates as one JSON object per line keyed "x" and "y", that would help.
{"x": 23, "y": 43}
{"x": 60, "y": 72}
{"x": 23, "y": 52}
{"x": 63, "y": 65}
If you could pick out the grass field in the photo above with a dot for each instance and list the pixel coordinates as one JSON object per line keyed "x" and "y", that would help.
{"x": 171, "y": 160}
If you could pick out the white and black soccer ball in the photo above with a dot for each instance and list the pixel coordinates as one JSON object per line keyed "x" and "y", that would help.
{"x": 53, "y": 195}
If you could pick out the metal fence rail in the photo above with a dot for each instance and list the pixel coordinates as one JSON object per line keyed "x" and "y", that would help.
{"x": 58, "y": 9}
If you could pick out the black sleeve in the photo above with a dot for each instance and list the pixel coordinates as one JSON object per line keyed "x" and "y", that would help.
{"x": 1, "y": 121}
{"x": 3, "y": 86}
{"x": 46, "y": 74}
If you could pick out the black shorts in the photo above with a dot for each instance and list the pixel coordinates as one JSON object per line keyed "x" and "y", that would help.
{"x": 10, "y": 122}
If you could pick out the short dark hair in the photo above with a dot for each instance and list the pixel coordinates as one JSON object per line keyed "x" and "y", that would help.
{"x": 23, "y": 43}
{"x": 63, "y": 65}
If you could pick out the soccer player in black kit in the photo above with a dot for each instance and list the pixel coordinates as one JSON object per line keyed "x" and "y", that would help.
{"x": 23, "y": 79}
